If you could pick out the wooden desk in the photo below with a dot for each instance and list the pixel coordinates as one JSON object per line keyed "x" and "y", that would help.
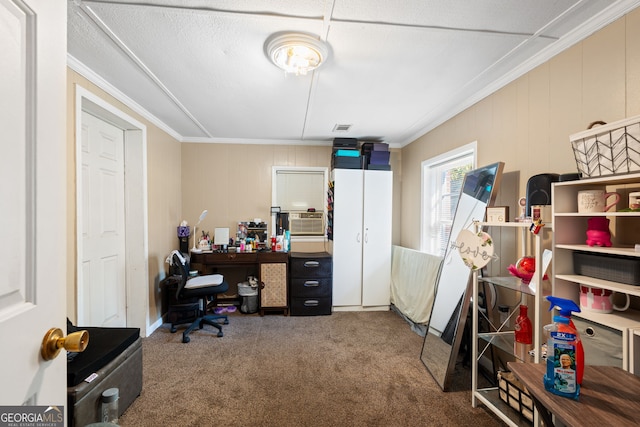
{"x": 609, "y": 396}
{"x": 271, "y": 269}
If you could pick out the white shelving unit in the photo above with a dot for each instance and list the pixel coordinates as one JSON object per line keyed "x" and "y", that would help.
{"x": 570, "y": 235}
{"x": 503, "y": 338}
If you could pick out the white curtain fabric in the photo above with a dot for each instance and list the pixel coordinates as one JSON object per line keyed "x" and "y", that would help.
{"x": 413, "y": 282}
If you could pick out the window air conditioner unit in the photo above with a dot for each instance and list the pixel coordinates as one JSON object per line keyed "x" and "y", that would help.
{"x": 306, "y": 223}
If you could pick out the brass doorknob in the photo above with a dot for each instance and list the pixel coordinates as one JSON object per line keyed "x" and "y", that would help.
{"x": 54, "y": 340}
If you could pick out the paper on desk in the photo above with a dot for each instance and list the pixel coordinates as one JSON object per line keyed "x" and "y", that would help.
{"x": 546, "y": 260}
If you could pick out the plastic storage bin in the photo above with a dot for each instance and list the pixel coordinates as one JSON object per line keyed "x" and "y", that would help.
{"x": 607, "y": 267}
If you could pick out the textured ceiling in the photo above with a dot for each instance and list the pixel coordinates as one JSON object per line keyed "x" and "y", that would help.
{"x": 396, "y": 69}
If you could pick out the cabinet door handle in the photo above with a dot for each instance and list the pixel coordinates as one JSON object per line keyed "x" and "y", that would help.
{"x": 358, "y": 238}
{"x": 311, "y": 303}
{"x": 311, "y": 264}
{"x": 311, "y": 283}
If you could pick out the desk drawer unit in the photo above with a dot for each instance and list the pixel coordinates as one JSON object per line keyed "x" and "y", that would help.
{"x": 311, "y": 283}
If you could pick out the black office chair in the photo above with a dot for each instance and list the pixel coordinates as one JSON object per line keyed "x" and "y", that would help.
{"x": 200, "y": 288}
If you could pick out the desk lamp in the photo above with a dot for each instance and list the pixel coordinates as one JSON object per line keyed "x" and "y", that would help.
{"x": 202, "y": 216}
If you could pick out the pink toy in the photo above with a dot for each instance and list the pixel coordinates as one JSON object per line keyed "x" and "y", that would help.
{"x": 524, "y": 269}
{"x": 598, "y": 232}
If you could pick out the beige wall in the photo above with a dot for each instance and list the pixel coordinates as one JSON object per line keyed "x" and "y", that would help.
{"x": 527, "y": 123}
{"x": 233, "y": 182}
{"x": 164, "y": 202}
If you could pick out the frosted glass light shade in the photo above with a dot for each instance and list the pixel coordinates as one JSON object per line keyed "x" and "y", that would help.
{"x": 296, "y": 53}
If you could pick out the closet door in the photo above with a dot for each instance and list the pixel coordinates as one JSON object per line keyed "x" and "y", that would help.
{"x": 376, "y": 258}
{"x": 347, "y": 237}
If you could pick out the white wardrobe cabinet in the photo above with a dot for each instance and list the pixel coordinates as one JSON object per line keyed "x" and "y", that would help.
{"x": 361, "y": 245}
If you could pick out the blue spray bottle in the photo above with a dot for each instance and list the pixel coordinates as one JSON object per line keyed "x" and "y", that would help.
{"x": 565, "y": 355}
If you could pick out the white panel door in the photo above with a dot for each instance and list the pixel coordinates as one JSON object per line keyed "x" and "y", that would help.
{"x": 347, "y": 237}
{"x": 33, "y": 194}
{"x": 102, "y": 288}
{"x": 376, "y": 252}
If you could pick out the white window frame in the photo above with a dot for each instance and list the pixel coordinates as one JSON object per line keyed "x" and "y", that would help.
{"x": 429, "y": 193}
{"x": 274, "y": 196}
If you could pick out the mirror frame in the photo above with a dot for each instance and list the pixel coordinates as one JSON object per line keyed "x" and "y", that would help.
{"x": 438, "y": 355}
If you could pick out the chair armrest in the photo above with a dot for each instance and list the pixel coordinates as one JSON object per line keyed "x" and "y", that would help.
{"x": 171, "y": 280}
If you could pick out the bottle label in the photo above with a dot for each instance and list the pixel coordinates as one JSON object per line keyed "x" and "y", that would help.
{"x": 564, "y": 366}
{"x": 563, "y": 336}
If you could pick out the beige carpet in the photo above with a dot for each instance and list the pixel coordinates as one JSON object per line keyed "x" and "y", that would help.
{"x": 347, "y": 369}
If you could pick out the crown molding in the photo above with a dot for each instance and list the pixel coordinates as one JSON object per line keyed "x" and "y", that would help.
{"x": 77, "y": 66}
{"x": 111, "y": 90}
{"x": 599, "y": 21}
{"x": 298, "y": 142}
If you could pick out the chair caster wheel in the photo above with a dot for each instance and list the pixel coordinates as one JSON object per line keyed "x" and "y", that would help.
{"x": 220, "y": 334}
{"x": 186, "y": 339}
{"x": 226, "y": 322}
{"x": 173, "y": 329}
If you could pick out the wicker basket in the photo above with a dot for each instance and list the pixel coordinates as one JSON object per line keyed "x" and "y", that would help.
{"x": 514, "y": 394}
{"x": 608, "y": 150}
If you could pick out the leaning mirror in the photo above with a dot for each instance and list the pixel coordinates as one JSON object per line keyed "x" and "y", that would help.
{"x": 448, "y": 314}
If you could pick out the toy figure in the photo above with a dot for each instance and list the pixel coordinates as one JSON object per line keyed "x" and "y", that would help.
{"x": 598, "y": 232}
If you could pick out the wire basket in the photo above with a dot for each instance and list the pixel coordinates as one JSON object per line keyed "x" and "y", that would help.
{"x": 611, "y": 149}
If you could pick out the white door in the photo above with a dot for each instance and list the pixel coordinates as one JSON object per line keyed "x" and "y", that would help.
{"x": 102, "y": 287}
{"x": 347, "y": 237}
{"x": 33, "y": 193}
{"x": 376, "y": 248}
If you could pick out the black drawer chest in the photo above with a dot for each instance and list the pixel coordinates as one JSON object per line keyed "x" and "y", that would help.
{"x": 310, "y": 283}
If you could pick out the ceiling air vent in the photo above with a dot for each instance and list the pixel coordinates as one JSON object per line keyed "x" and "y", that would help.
{"x": 341, "y": 128}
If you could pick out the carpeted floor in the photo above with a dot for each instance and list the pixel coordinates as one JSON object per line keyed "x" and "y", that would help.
{"x": 347, "y": 369}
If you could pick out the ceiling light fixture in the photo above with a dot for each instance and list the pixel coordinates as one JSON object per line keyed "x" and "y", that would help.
{"x": 296, "y": 53}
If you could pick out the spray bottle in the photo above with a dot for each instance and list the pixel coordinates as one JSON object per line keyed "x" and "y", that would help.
{"x": 565, "y": 354}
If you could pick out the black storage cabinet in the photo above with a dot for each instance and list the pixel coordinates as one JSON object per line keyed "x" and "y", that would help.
{"x": 310, "y": 283}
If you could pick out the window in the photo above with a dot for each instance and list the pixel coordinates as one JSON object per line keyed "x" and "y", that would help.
{"x": 442, "y": 178}
{"x": 297, "y": 189}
